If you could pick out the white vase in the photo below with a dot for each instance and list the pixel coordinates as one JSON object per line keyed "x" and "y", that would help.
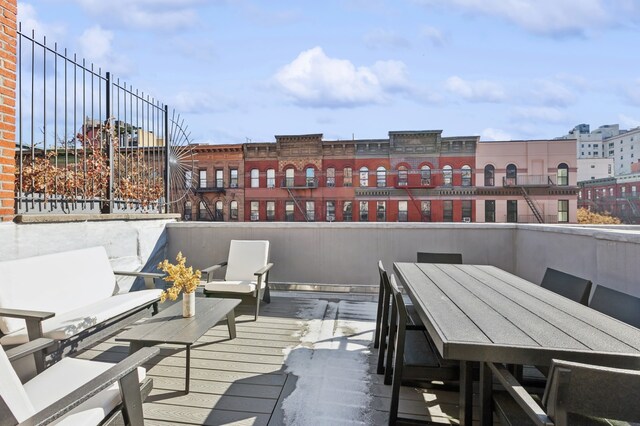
{"x": 188, "y": 304}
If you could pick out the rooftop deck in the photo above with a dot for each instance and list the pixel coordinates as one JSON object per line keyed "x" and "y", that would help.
{"x": 307, "y": 360}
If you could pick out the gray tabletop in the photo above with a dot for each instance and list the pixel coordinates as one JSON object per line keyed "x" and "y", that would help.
{"x": 482, "y": 313}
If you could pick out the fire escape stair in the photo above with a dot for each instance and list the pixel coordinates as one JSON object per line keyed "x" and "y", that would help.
{"x": 532, "y": 205}
{"x": 206, "y": 205}
{"x": 297, "y": 204}
{"x": 416, "y": 204}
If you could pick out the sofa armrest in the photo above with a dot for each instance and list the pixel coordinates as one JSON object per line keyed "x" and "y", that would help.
{"x": 148, "y": 277}
{"x": 263, "y": 270}
{"x": 124, "y": 372}
{"x": 29, "y": 348}
{"x": 32, "y": 318}
{"x": 211, "y": 269}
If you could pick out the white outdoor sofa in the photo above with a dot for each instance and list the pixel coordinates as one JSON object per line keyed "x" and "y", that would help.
{"x": 70, "y": 297}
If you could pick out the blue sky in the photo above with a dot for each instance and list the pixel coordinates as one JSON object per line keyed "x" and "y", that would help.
{"x": 241, "y": 70}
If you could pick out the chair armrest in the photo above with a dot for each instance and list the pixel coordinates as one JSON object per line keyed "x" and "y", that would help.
{"x": 116, "y": 373}
{"x": 211, "y": 269}
{"x": 147, "y": 276}
{"x": 520, "y": 395}
{"x": 32, "y": 318}
{"x": 29, "y": 348}
{"x": 263, "y": 270}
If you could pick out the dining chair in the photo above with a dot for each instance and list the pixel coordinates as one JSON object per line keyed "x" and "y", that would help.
{"x": 616, "y": 304}
{"x": 567, "y": 285}
{"x": 411, "y": 354}
{"x": 381, "y": 303}
{"x": 247, "y": 273}
{"x": 453, "y": 258}
{"x": 575, "y": 394}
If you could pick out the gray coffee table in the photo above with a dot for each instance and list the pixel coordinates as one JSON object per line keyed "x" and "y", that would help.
{"x": 169, "y": 326}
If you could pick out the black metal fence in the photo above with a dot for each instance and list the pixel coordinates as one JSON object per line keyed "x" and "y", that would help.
{"x": 89, "y": 143}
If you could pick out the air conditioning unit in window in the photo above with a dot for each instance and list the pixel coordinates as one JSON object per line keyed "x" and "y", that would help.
{"x": 466, "y": 219}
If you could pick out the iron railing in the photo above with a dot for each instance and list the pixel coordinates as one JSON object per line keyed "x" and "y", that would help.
{"x": 89, "y": 143}
{"x": 528, "y": 180}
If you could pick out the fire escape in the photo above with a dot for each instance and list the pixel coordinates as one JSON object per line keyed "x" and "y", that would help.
{"x": 529, "y": 181}
{"x": 292, "y": 187}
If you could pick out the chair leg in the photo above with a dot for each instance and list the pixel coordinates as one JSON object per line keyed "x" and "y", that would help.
{"x": 267, "y": 293}
{"x": 257, "y": 306}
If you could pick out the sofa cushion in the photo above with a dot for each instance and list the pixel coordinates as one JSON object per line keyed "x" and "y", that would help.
{"x": 66, "y": 376}
{"x": 12, "y": 391}
{"x": 58, "y": 283}
{"x": 245, "y": 258}
{"x": 232, "y": 286}
{"x": 71, "y": 323}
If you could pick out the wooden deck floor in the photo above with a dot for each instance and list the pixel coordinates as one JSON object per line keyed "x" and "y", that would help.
{"x": 244, "y": 381}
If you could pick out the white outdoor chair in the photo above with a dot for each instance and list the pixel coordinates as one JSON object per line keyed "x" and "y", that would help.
{"x": 74, "y": 391}
{"x": 247, "y": 272}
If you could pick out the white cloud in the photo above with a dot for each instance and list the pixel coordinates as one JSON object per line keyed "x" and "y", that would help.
{"x": 551, "y": 93}
{"x": 385, "y": 39}
{"x": 476, "y": 91}
{"x": 314, "y": 79}
{"x": 628, "y": 122}
{"x": 28, "y": 16}
{"x": 491, "y": 134}
{"x": 201, "y": 102}
{"x": 540, "y": 114}
{"x": 435, "y": 36}
{"x": 159, "y": 15}
{"x": 95, "y": 45}
{"x": 632, "y": 92}
{"x": 547, "y": 17}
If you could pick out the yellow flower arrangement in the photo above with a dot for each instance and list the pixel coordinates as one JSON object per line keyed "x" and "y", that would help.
{"x": 183, "y": 278}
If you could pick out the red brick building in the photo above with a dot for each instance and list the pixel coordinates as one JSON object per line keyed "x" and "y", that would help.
{"x": 8, "y": 42}
{"x": 618, "y": 196}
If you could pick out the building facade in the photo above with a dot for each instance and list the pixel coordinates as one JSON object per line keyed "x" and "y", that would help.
{"x": 624, "y": 148}
{"x": 410, "y": 176}
{"x": 617, "y": 196}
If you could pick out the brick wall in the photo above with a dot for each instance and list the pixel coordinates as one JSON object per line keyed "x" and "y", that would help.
{"x": 8, "y": 40}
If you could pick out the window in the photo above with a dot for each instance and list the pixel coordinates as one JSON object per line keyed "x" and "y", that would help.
{"x": 202, "y": 174}
{"x": 563, "y": 174}
{"x": 364, "y": 211}
{"x": 403, "y": 214}
{"x": 512, "y": 211}
{"x": 288, "y": 211}
{"x": 271, "y": 210}
{"x": 310, "y": 208}
{"x": 610, "y": 192}
{"x": 364, "y": 177}
{"x": 347, "y": 211}
{"x": 447, "y": 211}
{"x": 255, "y": 210}
{"x": 489, "y": 175}
{"x": 623, "y": 191}
{"x": 381, "y": 211}
{"x": 633, "y": 191}
{"x": 425, "y": 210}
{"x": 218, "y": 215}
{"x": 403, "y": 176}
{"x": 255, "y": 178}
{"x": 219, "y": 178}
{"x": 466, "y": 175}
{"x": 381, "y": 177}
{"x": 466, "y": 210}
{"x": 310, "y": 175}
{"x": 490, "y": 211}
{"x": 187, "y": 178}
{"x": 202, "y": 211}
{"x": 289, "y": 177}
{"x": 233, "y": 210}
{"x": 187, "y": 210}
{"x": 447, "y": 175}
{"x": 589, "y": 194}
{"x": 425, "y": 175}
{"x": 563, "y": 211}
{"x": 347, "y": 177}
{"x": 233, "y": 182}
{"x": 331, "y": 177}
{"x": 512, "y": 175}
{"x": 331, "y": 211}
{"x": 271, "y": 178}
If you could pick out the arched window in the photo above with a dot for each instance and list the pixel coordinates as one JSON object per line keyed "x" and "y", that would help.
{"x": 403, "y": 176}
{"x": 512, "y": 175}
{"x": 187, "y": 210}
{"x": 425, "y": 175}
{"x": 255, "y": 178}
{"x": 218, "y": 212}
{"x": 563, "y": 175}
{"x": 271, "y": 178}
{"x": 447, "y": 175}
{"x": 381, "y": 177}
{"x": 489, "y": 175}
{"x": 289, "y": 177}
{"x": 233, "y": 210}
{"x": 364, "y": 177}
{"x": 310, "y": 174}
{"x": 331, "y": 177}
{"x": 202, "y": 211}
{"x": 466, "y": 175}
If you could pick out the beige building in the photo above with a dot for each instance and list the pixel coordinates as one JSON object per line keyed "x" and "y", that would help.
{"x": 526, "y": 181}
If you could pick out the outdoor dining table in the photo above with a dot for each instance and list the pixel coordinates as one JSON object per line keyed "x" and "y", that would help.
{"x": 482, "y": 314}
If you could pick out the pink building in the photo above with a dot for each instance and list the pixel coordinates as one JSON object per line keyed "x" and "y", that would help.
{"x": 526, "y": 181}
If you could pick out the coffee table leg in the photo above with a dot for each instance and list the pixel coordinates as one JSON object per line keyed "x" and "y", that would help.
{"x": 188, "y": 372}
{"x": 136, "y": 346}
{"x": 231, "y": 323}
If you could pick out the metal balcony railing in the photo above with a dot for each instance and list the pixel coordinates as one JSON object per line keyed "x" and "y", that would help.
{"x": 299, "y": 182}
{"x": 528, "y": 180}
